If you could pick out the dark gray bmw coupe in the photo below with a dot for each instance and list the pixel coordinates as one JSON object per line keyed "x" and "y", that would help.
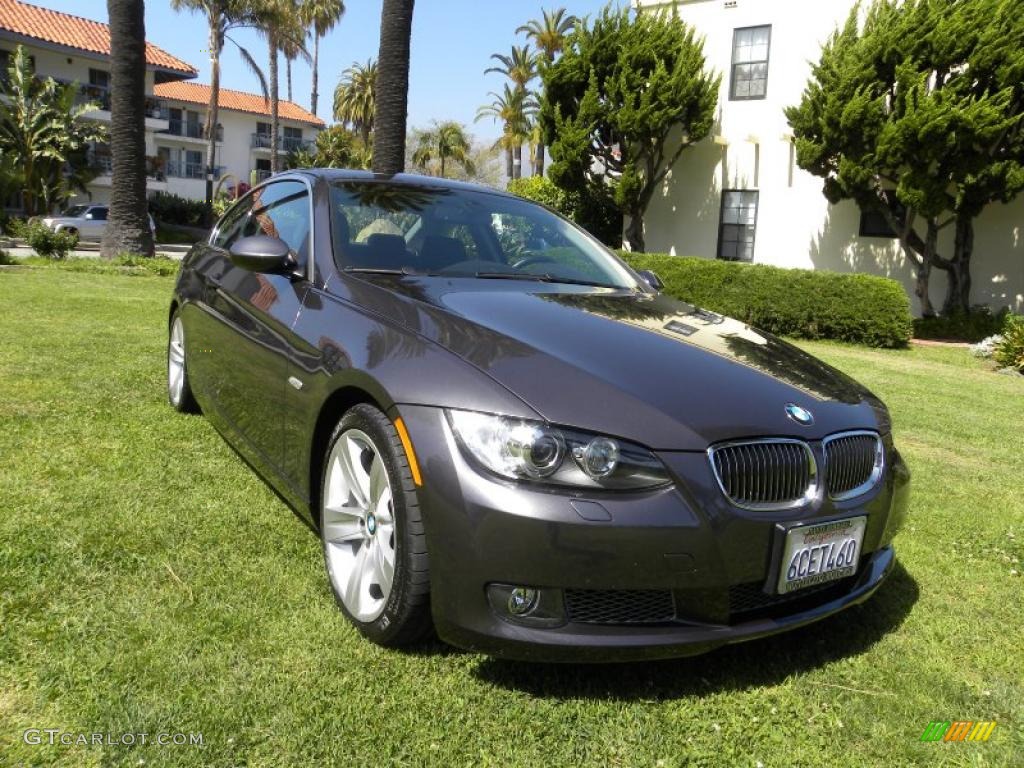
{"x": 502, "y": 431}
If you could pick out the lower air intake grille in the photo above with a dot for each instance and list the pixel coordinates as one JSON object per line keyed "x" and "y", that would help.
{"x": 748, "y": 601}
{"x": 765, "y": 474}
{"x": 620, "y": 606}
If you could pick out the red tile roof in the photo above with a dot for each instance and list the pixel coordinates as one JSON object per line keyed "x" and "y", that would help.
{"x": 75, "y": 32}
{"x": 240, "y": 101}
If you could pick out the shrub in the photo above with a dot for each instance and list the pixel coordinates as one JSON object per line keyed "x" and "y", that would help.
{"x": 594, "y": 210}
{"x": 793, "y": 302}
{"x": 1009, "y": 352}
{"x": 6, "y": 258}
{"x": 979, "y": 324}
{"x": 986, "y": 347}
{"x": 175, "y": 209}
{"x": 52, "y": 245}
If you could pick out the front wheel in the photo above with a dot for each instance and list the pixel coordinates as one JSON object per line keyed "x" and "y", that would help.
{"x": 179, "y": 393}
{"x": 373, "y": 540}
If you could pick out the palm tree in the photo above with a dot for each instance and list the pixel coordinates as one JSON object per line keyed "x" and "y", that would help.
{"x": 290, "y": 49}
{"x": 222, "y": 16}
{"x": 42, "y": 135}
{"x": 515, "y": 108}
{"x": 128, "y": 220}
{"x": 520, "y": 67}
{"x": 549, "y": 35}
{"x": 321, "y": 16}
{"x": 441, "y": 143}
{"x": 355, "y": 98}
{"x": 392, "y": 110}
{"x": 279, "y": 23}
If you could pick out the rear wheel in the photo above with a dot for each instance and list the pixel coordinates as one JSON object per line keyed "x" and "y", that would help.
{"x": 179, "y": 393}
{"x": 371, "y": 529}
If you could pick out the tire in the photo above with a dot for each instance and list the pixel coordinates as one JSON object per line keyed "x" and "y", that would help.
{"x": 179, "y": 392}
{"x": 69, "y": 230}
{"x": 368, "y": 512}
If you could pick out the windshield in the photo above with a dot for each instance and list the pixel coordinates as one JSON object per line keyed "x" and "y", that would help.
{"x": 75, "y": 211}
{"x": 386, "y": 227}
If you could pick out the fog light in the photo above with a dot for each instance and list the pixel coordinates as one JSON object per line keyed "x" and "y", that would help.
{"x": 598, "y": 458}
{"x": 521, "y": 601}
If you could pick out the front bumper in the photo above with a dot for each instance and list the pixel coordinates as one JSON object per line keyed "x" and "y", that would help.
{"x": 686, "y": 542}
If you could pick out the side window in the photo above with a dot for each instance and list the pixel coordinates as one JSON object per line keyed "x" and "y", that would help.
{"x": 98, "y": 214}
{"x": 281, "y": 210}
{"x": 230, "y": 226}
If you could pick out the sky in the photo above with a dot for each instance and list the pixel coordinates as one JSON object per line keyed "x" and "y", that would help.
{"x": 451, "y": 44}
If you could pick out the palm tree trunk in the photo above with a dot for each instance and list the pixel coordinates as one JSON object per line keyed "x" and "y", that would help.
{"x": 509, "y": 162}
{"x": 539, "y": 170}
{"x": 316, "y": 72}
{"x": 517, "y": 161}
{"x": 274, "y": 86}
{"x": 442, "y": 165}
{"x": 392, "y": 87}
{"x": 288, "y": 76}
{"x": 212, "y": 114}
{"x": 127, "y": 223}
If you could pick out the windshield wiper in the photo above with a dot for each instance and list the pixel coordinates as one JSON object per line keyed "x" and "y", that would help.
{"x": 542, "y": 278}
{"x": 378, "y": 271}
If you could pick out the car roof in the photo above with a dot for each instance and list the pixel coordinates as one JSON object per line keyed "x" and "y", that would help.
{"x": 405, "y": 179}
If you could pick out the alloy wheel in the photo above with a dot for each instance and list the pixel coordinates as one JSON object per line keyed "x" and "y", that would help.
{"x": 359, "y": 525}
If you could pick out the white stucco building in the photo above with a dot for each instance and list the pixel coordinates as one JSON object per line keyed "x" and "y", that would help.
{"x": 740, "y": 195}
{"x": 76, "y": 50}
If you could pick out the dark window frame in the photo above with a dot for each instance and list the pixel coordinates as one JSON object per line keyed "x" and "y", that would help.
{"x": 766, "y": 61}
{"x": 873, "y": 224}
{"x": 722, "y": 224}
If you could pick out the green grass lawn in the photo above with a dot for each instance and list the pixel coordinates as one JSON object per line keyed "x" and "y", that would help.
{"x": 150, "y": 583}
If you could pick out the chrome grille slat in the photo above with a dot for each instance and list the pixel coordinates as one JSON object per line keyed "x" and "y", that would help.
{"x": 853, "y": 463}
{"x": 773, "y": 473}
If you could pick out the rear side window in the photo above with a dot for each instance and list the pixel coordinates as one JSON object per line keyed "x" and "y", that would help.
{"x": 99, "y": 214}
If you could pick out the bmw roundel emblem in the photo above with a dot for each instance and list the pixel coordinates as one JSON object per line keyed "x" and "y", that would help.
{"x": 799, "y": 415}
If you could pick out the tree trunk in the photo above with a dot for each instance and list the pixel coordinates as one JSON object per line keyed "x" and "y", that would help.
{"x": 212, "y": 115}
{"x": 127, "y": 228}
{"x": 442, "y": 165}
{"x": 517, "y": 161}
{"x": 509, "y": 163}
{"x": 288, "y": 76}
{"x": 316, "y": 72}
{"x": 392, "y": 87}
{"x": 924, "y": 269}
{"x": 634, "y": 234}
{"x": 275, "y": 161}
{"x": 958, "y": 275}
{"x": 539, "y": 170}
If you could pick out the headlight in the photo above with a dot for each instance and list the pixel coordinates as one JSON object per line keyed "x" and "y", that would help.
{"x": 520, "y": 449}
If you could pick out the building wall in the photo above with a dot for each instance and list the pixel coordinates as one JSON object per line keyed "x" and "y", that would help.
{"x": 235, "y": 154}
{"x": 751, "y": 149}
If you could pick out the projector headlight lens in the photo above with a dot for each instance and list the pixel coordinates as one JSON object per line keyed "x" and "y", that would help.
{"x": 522, "y": 449}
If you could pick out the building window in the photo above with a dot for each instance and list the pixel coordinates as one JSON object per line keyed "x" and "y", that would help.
{"x": 737, "y": 226}
{"x": 750, "y": 63}
{"x": 99, "y": 78}
{"x": 874, "y": 224}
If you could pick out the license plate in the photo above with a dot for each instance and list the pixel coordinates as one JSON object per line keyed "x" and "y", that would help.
{"x": 815, "y": 554}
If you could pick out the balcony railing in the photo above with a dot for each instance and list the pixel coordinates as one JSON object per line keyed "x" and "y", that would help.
{"x": 189, "y": 129}
{"x": 285, "y": 144}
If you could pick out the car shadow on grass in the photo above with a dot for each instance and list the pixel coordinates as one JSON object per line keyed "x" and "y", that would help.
{"x": 768, "y": 661}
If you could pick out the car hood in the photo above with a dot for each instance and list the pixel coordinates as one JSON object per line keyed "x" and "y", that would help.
{"x": 640, "y": 366}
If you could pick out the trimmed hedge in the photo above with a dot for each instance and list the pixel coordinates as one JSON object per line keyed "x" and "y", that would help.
{"x": 803, "y": 303}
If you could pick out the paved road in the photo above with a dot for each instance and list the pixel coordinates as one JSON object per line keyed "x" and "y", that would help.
{"x": 89, "y": 251}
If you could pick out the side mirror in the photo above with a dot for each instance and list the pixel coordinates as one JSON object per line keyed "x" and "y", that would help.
{"x": 262, "y": 253}
{"x": 651, "y": 279}
{"x": 89, "y": 217}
